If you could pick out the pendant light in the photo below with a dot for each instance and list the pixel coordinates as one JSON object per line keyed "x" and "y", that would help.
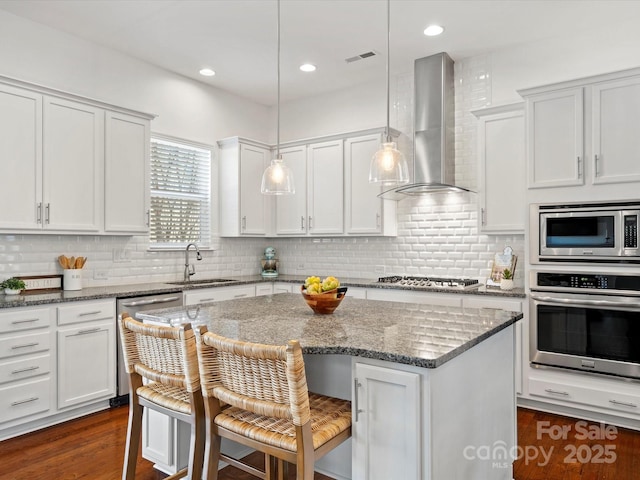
{"x": 277, "y": 179}
{"x": 388, "y": 165}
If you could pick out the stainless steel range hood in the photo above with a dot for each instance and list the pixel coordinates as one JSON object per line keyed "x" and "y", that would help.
{"x": 433, "y": 138}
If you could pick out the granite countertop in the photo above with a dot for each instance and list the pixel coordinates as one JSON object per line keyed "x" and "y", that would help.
{"x": 407, "y": 333}
{"x": 141, "y": 289}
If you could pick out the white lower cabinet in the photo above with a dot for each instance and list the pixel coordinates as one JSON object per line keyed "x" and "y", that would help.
{"x": 218, "y": 294}
{"x": 282, "y": 287}
{"x": 263, "y": 289}
{"x": 86, "y": 352}
{"x": 386, "y": 423}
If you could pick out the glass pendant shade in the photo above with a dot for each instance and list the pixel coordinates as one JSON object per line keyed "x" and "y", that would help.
{"x": 388, "y": 166}
{"x": 277, "y": 179}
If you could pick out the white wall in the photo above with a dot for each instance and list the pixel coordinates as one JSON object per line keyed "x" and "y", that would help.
{"x": 436, "y": 236}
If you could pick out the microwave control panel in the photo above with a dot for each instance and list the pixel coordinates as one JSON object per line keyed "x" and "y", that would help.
{"x": 581, "y": 281}
{"x": 631, "y": 231}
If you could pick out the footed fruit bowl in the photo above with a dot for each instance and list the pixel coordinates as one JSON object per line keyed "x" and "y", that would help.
{"x": 326, "y": 302}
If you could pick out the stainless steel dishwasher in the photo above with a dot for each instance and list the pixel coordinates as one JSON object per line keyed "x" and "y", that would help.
{"x": 133, "y": 305}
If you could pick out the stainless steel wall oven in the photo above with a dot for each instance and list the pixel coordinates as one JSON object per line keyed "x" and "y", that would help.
{"x": 586, "y": 321}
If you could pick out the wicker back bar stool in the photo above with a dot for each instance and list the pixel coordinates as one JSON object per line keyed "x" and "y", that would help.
{"x": 267, "y": 406}
{"x": 166, "y": 358}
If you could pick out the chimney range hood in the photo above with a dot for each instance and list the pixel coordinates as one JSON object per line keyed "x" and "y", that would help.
{"x": 433, "y": 139}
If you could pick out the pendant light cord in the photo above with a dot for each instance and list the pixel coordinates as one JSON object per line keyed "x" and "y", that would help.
{"x": 388, "y": 74}
{"x": 278, "y": 114}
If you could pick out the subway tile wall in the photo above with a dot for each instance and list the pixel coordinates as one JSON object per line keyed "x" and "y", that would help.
{"x": 437, "y": 235}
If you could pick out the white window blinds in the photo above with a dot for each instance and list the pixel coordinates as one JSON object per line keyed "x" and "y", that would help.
{"x": 180, "y": 195}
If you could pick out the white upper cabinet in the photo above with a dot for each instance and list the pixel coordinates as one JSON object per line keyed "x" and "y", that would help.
{"x": 325, "y": 206}
{"x": 21, "y": 158}
{"x": 54, "y": 146}
{"x": 291, "y": 210}
{"x": 364, "y": 210}
{"x": 615, "y": 140}
{"x": 73, "y": 159}
{"x": 126, "y": 184}
{"x": 243, "y": 209}
{"x": 583, "y": 133}
{"x": 501, "y": 163}
{"x": 555, "y": 132}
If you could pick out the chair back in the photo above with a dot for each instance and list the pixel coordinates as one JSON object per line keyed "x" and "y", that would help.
{"x": 263, "y": 379}
{"x": 161, "y": 354}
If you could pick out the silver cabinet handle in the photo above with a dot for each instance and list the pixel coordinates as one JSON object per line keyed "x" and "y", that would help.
{"x": 150, "y": 302}
{"x": 302, "y": 222}
{"x": 579, "y": 167}
{"x": 556, "y": 392}
{"x": 47, "y": 213}
{"x": 624, "y": 404}
{"x": 148, "y": 218}
{"x": 377, "y": 220}
{"x": 206, "y": 300}
{"x": 27, "y": 400}
{"x": 597, "y": 162}
{"x": 244, "y": 222}
{"x": 240, "y": 295}
{"x": 483, "y": 220}
{"x": 310, "y": 223}
{"x": 30, "y": 320}
{"x": 86, "y": 314}
{"x": 25, "y": 345}
{"x": 571, "y": 301}
{"x": 88, "y": 330}
{"x": 356, "y": 386}
{"x": 39, "y": 213}
{"x": 22, "y": 370}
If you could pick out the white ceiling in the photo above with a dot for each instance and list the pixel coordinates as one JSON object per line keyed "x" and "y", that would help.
{"x": 237, "y": 38}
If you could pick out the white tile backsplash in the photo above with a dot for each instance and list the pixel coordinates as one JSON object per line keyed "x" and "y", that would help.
{"x": 437, "y": 235}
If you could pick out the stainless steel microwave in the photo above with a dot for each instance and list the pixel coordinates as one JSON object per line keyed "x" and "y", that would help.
{"x": 604, "y": 232}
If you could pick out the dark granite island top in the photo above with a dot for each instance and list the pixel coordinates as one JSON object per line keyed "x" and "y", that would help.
{"x": 406, "y": 333}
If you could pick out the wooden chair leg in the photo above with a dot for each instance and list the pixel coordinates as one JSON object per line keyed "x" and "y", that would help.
{"x": 197, "y": 447}
{"x": 211, "y": 454}
{"x": 133, "y": 440}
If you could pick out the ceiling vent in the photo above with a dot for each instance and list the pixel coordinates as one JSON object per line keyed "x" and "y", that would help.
{"x": 362, "y": 56}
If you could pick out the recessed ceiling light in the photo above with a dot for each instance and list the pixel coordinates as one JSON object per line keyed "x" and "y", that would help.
{"x": 433, "y": 30}
{"x": 308, "y": 67}
{"x": 207, "y": 72}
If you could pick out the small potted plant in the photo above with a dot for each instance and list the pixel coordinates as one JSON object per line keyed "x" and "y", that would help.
{"x": 12, "y": 286}
{"x": 506, "y": 283}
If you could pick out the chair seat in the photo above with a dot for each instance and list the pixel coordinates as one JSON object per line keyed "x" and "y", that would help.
{"x": 173, "y": 398}
{"x": 329, "y": 417}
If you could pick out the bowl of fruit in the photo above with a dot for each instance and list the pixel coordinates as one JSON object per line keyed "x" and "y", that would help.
{"x": 323, "y": 296}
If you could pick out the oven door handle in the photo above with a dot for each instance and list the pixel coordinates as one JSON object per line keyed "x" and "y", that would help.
{"x": 571, "y": 301}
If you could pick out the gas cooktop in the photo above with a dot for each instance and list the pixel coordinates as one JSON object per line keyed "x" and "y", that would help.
{"x": 431, "y": 282}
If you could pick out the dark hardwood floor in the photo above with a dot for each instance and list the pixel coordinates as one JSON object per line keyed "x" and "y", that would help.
{"x": 92, "y": 448}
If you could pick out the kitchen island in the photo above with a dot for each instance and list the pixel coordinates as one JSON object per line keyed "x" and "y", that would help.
{"x": 432, "y": 387}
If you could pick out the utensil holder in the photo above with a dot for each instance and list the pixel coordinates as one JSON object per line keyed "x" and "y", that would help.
{"x": 72, "y": 279}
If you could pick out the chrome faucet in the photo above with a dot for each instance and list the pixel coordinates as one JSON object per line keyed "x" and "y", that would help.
{"x": 189, "y": 269}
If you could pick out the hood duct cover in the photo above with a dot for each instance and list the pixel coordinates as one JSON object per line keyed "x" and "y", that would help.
{"x": 433, "y": 138}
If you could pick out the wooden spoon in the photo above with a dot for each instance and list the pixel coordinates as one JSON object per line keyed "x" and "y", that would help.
{"x": 63, "y": 261}
{"x": 72, "y": 262}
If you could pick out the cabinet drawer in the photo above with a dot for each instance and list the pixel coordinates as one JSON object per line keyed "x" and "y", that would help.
{"x": 25, "y": 399}
{"x": 408, "y": 296}
{"x": 24, "y": 344}
{"x": 510, "y": 305}
{"x": 24, "y": 368}
{"x": 86, "y": 312}
{"x": 218, "y": 294}
{"x": 264, "y": 289}
{"x": 605, "y": 397}
{"x": 14, "y": 320}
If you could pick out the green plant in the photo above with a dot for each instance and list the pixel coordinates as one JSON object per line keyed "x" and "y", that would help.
{"x": 507, "y": 274}
{"x": 13, "y": 284}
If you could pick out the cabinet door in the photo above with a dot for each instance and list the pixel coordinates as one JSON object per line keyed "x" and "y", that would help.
{"x": 555, "y": 138}
{"x": 126, "y": 169}
{"x": 615, "y": 139}
{"x": 291, "y": 210}
{"x": 86, "y": 363}
{"x": 386, "y": 423}
{"x": 253, "y": 215}
{"x": 21, "y": 159}
{"x": 72, "y": 165}
{"x": 326, "y": 188}
{"x": 502, "y": 171}
{"x": 363, "y": 207}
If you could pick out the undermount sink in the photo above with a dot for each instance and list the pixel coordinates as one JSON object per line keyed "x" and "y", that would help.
{"x": 206, "y": 281}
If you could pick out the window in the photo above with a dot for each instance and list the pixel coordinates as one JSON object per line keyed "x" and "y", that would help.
{"x": 180, "y": 194}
